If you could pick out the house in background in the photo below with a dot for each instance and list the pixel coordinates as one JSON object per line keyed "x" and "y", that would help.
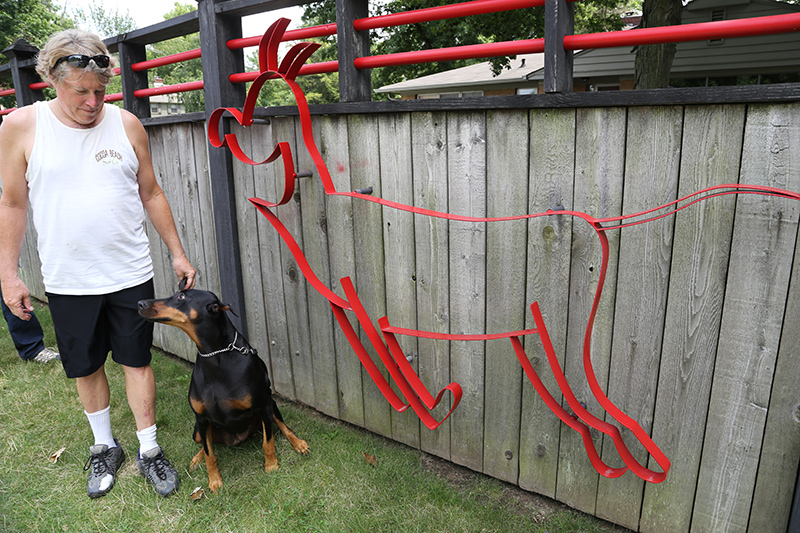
{"x": 740, "y": 61}
{"x": 164, "y": 104}
{"x": 474, "y": 80}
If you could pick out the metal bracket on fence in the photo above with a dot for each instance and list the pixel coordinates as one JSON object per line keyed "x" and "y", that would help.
{"x": 306, "y": 174}
{"x": 365, "y": 190}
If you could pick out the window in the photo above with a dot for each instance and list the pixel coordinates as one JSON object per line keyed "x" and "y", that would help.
{"x": 716, "y": 16}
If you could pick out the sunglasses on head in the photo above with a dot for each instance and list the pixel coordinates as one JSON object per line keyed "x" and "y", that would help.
{"x": 82, "y": 61}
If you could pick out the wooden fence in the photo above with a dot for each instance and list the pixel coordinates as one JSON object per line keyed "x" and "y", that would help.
{"x": 697, "y": 333}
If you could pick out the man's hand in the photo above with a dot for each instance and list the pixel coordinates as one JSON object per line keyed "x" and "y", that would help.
{"x": 184, "y": 270}
{"x": 17, "y": 297}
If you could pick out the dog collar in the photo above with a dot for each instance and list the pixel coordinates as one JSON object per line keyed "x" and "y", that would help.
{"x": 244, "y": 350}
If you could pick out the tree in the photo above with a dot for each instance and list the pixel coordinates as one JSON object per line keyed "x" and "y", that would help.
{"x": 32, "y": 20}
{"x": 654, "y": 61}
{"x": 102, "y": 22}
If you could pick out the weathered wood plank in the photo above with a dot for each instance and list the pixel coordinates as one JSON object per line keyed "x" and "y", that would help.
{"x": 466, "y": 139}
{"x": 651, "y": 170}
{"x": 763, "y": 247}
{"x": 335, "y": 151}
{"x": 294, "y": 286}
{"x": 248, "y": 222}
{"x": 599, "y": 173}
{"x": 429, "y": 161}
{"x": 30, "y": 271}
{"x": 370, "y": 282}
{"x": 166, "y": 337}
{"x": 552, "y": 170}
{"x": 712, "y": 140}
{"x": 780, "y": 451}
{"x": 208, "y": 277}
{"x": 267, "y": 185}
{"x": 507, "y": 194}
{"x": 182, "y": 183}
{"x": 398, "y": 241}
{"x": 313, "y": 203}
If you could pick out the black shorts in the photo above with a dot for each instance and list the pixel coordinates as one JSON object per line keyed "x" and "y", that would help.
{"x": 88, "y": 327}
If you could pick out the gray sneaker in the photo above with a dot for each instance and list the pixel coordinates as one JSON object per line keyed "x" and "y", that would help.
{"x": 46, "y": 355}
{"x": 155, "y": 467}
{"x": 104, "y": 463}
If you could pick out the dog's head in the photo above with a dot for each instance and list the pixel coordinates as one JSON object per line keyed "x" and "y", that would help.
{"x": 198, "y": 313}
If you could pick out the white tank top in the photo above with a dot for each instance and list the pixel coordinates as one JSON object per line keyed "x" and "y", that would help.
{"x": 86, "y": 206}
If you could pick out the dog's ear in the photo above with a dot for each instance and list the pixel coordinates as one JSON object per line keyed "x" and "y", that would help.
{"x": 216, "y": 307}
{"x": 182, "y": 284}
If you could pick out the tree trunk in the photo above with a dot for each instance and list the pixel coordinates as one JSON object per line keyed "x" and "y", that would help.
{"x": 654, "y": 61}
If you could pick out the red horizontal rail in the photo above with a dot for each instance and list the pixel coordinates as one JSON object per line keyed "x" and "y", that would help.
{"x": 7, "y": 92}
{"x": 428, "y": 14}
{"x": 7, "y": 111}
{"x": 291, "y": 35}
{"x": 166, "y": 60}
{"x": 724, "y": 29}
{"x": 116, "y": 97}
{"x": 322, "y": 67}
{"x": 169, "y": 89}
{"x": 505, "y": 48}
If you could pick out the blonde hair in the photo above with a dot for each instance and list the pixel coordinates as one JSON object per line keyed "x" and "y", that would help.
{"x": 69, "y": 42}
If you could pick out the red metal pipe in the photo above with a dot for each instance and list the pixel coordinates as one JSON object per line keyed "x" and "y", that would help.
{"x": 166, "y": 60}
{"x": 312, "y": 68}
{"x": 725, "y": 29}
{"x": 116, "y": 97}
{"x": 169, "y": 89}
{"x": 7, "y": 92}
{"x": 506, "y": 48}
{"x": 291, "y": 35}
{"x": 7, "y": 111}
{"x": 464, "y": 9}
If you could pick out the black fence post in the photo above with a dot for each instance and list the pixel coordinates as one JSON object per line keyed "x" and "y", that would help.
{"x": 131, "y": 81}
{"x": 354, "y": 85}
{"x": 559, "y": 20}
{"x": 218, "y": 63}
{"x": 23, "y": 72}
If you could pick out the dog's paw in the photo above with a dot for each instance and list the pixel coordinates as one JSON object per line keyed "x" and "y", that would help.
{"x": 196, "y": 460}
{"x": 271, "y": 467}
{"x": 214, "y": 484}
{"x": 301, "y": 446}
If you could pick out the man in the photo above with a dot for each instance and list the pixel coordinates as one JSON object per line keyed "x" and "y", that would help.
{"x": 85, "y": 167}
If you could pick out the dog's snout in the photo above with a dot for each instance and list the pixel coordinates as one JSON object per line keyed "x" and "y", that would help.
{"x": 143, "y": 304}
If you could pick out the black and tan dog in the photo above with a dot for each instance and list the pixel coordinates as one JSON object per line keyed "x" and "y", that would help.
{"x": 230, "y": 391}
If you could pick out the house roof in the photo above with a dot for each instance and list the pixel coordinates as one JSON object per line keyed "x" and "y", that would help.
{"x": 478, "y": 74}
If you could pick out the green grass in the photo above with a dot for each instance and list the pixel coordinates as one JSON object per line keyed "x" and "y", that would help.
{"x": 332, "y": 489}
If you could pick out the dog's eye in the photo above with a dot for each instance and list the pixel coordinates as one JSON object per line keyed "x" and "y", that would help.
{"x": 181, "y": 297}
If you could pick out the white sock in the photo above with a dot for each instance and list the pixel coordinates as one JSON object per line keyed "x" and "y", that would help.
{"x": 100, "y": 422}
{"x": 147, "y": 439}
